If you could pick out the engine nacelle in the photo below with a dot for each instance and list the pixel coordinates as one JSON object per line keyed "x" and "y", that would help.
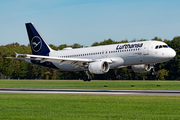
{"x": 99, "y": 67}
{"x": 141, "y": 68}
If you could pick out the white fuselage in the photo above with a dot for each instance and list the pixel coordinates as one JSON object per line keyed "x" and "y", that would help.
{"x": 124, "y": 54}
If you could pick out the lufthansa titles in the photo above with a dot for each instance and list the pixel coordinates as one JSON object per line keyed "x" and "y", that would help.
{"x": 127, "y": 46}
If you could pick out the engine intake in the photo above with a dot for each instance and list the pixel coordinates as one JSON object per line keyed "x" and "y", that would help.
{"x": 100, "y": 67}
{"x": 141, "y": 68}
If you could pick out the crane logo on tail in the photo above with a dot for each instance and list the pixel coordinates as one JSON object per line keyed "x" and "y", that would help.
{"x": 36, "y": 44}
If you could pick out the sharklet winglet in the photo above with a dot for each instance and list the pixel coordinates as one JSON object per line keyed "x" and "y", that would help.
{"x": 16, "y": 54}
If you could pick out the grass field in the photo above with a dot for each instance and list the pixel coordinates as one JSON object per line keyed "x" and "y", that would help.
{"x": 166, "y": 85}
{"x": 88, "y": 107}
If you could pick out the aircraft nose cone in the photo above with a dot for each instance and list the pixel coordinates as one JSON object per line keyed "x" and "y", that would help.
{"x": 172, "y": 53}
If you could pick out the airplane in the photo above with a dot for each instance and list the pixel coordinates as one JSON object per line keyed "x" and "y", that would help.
{"x": 99, "y": 59}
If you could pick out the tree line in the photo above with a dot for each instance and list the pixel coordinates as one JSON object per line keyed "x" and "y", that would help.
{"x": 19, "y": 69}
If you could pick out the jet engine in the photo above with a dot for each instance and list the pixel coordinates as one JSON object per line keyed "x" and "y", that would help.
{"x": 99, "y": 67}
{"x": 141, "y": 68}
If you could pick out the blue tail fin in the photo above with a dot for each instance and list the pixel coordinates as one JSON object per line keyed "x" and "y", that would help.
{"x": 38, "y": 45}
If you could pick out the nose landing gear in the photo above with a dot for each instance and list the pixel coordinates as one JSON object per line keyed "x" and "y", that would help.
{"x": 154, "y": 72}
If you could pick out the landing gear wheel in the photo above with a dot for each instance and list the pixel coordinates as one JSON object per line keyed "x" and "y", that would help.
{"x": 113, "y": 77}
{"x": 116, "y": 77}
{"x": 90, "y": 78}
{"x": 154, "y": 73}
{"x": 87, "y": 77}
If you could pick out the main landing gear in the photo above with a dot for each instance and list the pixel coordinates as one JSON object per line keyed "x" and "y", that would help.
{"x": 116, "y": 76}
{"x": 87, "y": 77}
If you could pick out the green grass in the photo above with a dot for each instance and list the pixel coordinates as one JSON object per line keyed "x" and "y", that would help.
{"x": 170, "y": 85}
{"x": 88, "y": 107}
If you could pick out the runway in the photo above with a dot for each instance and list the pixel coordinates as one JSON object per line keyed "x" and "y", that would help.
{"x": 92, "y": 91}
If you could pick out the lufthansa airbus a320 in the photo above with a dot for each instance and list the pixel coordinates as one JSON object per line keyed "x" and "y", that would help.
{"x": 97, "y": 60}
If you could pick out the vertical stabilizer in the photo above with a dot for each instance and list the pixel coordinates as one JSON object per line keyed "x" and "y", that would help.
{"x": 38, "y": 45}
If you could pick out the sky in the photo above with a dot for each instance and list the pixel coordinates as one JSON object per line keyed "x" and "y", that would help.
{"x": 88, "y": 21}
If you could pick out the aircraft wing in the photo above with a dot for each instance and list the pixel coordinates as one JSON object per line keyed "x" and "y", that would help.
{"x": 73, "y": 61}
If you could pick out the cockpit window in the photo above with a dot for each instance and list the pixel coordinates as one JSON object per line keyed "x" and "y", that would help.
{"x": 165, "y": 46}
{"x": 161, "y": 46}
